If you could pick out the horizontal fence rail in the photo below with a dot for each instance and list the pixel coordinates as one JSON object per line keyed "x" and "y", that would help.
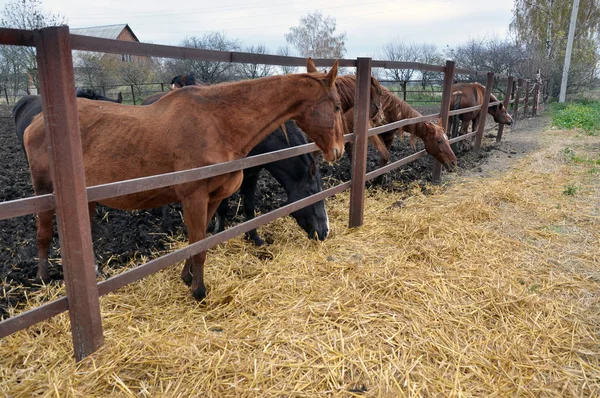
{"x": 43, "y": 203}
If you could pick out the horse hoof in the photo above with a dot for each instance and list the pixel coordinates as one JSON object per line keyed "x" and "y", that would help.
{"x": 42, "y": 279}
{"x": 258, "y": 241}
{"x": 199, "y": 294}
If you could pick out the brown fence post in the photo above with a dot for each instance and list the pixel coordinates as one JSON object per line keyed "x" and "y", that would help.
{"x": 359, "y": 153}
{"x": 55, "y": 66}
{"x": 526, "y": 102}
{"x": 536, "y": 98}
{"x": 446, "y": 98}
{"x": 404, "y": 89}
{"x": 483, "y": 111}
{"x": 516, "y": 105}
{"x": 512, "y": 94}
{"x": 132, "y": 94}
{"x": 506, "y": 102}
{"x": 162, "y": 87}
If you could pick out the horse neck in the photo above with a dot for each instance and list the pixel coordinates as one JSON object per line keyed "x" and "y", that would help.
{"x": 494, "y": 109}
{"x": 285, "y": 171}
{"x": 263, "y": 105}
{"x": 396, "y": 109}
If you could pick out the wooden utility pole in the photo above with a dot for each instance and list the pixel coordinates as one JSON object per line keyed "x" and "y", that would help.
{"x": 565, "y": 75}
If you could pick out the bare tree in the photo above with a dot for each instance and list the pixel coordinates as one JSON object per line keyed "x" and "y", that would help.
{"x": 24, "y": 14}
{"x": 399, "y": 51}
{"x": 95, "y": 70}
{"x": 253, "y": 71}
{"x": 429, "y": 54}
{"x": 136, "y": 74}
{"x": 316, "y": 37}
{"x": 285, "y": 51}
{"x": 206, "y": 71}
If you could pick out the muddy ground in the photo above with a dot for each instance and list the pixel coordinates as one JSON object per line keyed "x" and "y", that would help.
{"x": 120, "y": 237}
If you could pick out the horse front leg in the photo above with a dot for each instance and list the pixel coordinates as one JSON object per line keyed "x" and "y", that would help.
{"x": 45, "y": 230}
{"x": 195, "y": 209}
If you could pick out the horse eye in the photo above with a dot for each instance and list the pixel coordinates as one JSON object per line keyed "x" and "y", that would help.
{"x": 337, "y": 108}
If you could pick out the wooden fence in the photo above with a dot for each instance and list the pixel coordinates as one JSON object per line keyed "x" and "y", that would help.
{"x": 70, "y": 198}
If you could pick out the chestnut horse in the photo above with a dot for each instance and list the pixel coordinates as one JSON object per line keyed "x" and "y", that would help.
{"x": 432, "y": 135}
{"x": 221, "y": 123}
{"x": 465, "y": 95}
{"x": 30, "y": 105}
{"x": 374, "y": 140}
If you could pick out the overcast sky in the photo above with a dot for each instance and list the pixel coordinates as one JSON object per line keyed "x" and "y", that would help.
{"x": 369, "y": 24}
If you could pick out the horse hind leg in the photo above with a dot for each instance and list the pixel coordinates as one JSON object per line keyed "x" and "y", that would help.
{"x": 248, "y": 191}
{"x": 45, "y": 231}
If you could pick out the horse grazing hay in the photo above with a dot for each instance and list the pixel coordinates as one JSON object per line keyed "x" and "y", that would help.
{"x": 489, "y": 287}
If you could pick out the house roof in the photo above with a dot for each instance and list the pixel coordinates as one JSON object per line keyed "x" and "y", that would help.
{"x": 105, "y": 32}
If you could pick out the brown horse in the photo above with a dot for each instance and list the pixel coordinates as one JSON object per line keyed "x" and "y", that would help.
{"x": 374, "y": 140}
{"x": 177, "y": 82}
{"x": 346, "y": 86}
{"x": 221, "y": 123}
{"x": 466, "y": 95}
{"x": 432, "y": 135}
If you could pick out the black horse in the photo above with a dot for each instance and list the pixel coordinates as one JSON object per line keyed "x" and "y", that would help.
{"x": 299, "y": 176}
{"x": 30, "y": 105}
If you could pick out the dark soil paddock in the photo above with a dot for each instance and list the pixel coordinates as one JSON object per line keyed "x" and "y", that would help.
{"x": 120, "y": 237}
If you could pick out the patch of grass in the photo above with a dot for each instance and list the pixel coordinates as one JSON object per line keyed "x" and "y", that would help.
{"x": 570, "y": 155}
{"x": 570, "y": 190}
{"x": 583, "y": 114}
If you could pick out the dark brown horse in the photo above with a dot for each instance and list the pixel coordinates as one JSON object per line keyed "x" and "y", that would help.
{"x": 466, "y": 95}
{"x": 185, "y": 80}
{"x": 432, "y": 135}
{"x": 221, "y": 123}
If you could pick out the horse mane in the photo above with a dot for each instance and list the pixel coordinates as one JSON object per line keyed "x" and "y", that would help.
{"x": 346, "y": 87}
{"x": 398, "y": 109}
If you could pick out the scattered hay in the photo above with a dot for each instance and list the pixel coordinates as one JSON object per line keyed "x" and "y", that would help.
{"x": 483, "y": 288}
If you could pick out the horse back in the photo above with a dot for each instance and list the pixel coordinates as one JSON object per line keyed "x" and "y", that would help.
{"x": 23, "y": 113}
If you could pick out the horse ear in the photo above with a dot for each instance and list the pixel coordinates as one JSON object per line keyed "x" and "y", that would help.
{"x": 332, "y": 75}
{"x": 440, "y": 123}
{"x": 310, "y": 66}
{"x": 120, "y": 98}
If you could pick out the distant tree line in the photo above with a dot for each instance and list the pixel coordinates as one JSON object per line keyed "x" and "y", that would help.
{"x": 538, "y": 34}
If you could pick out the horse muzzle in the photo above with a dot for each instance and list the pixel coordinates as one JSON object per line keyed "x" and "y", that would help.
{"x": 318, "y": 235}
{"x": 334, "y": 154}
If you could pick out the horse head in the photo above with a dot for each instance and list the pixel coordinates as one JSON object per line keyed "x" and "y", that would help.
{"x": 499, "y": 112}
{"x": 184, "y": 80}
{"x": 437, "y": 144}
{"x": 93, "y": 95}
{"x": 312, "y": 219}
{"x": 321, "y": 119}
